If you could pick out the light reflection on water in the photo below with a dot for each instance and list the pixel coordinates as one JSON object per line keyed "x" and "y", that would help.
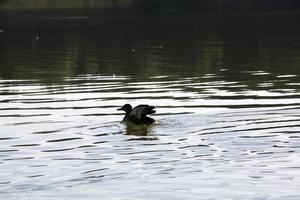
{"x": 228, "y": 114}
{"x": 69, "y": 136}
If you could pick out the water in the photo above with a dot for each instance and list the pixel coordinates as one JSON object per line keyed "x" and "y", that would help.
{"x": 226, "y": 87}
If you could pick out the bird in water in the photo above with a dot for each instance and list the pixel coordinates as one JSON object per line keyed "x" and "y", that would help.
{"x": 138, "y": 114}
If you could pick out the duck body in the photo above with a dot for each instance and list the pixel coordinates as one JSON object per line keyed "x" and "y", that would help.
{"x": 138, "y": 114}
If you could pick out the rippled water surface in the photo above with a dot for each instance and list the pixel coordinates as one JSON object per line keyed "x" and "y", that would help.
{"x": 226, "y": 91}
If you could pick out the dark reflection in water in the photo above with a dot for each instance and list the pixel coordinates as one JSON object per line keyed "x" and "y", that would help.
{"x": 56, "y": 45}
{"x": 140, "y": 130}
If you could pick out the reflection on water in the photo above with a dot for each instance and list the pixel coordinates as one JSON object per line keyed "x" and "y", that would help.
{"x": 138, "y": 130}
{"x": 153, "y": 45}
{"x": 226, "y": 88}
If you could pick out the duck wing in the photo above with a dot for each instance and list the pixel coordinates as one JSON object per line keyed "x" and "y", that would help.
{"x": 140, "y": 111}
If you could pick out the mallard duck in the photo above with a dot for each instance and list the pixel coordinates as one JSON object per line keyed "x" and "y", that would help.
{"x": 138, "y": 114}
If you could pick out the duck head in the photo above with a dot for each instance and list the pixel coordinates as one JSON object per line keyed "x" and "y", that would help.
{"x": 127, "y": 108}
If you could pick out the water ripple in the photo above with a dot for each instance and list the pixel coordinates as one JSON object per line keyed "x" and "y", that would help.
{"x": 208, "y": 129}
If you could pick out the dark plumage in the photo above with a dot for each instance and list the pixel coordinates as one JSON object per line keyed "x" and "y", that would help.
{"x": 138, "y": 115}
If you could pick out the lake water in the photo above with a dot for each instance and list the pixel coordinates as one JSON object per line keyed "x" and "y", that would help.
{"x": 226, "y": 87}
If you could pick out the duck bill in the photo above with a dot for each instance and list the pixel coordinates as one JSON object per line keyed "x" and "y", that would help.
{"x": 120, "y": 109}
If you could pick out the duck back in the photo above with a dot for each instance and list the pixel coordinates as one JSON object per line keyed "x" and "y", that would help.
{"x": 139, "y": 114}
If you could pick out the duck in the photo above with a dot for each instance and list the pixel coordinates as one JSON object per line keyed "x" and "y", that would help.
{"x": 138, "y": 114}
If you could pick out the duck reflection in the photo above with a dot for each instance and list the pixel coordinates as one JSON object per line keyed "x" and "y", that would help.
{"x": 137, "y": 130}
